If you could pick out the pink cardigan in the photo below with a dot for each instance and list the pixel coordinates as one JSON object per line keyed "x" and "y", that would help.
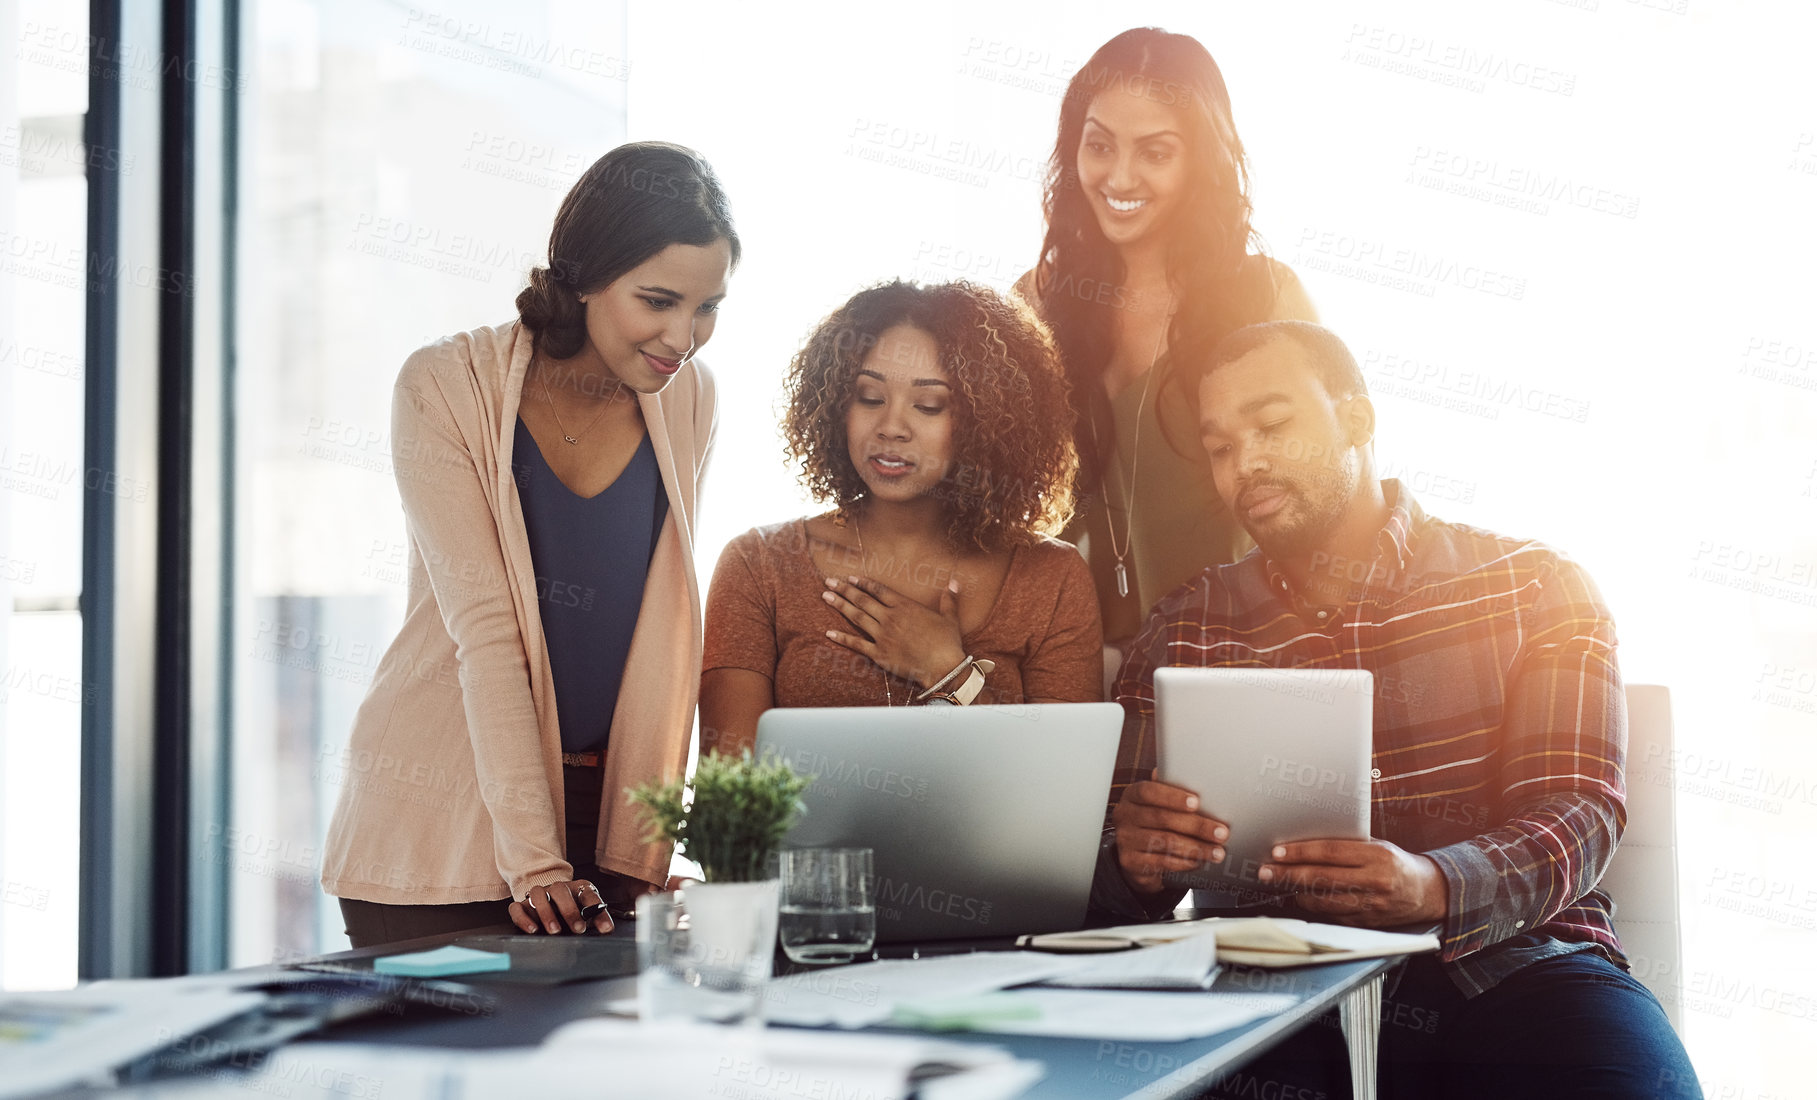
{"x": 452, "y": 784}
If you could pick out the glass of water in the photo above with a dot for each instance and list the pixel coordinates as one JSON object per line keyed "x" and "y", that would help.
{"x": 828, "y": 914}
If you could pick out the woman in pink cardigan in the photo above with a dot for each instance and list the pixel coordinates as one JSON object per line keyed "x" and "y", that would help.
{"x": 550, "y": 652}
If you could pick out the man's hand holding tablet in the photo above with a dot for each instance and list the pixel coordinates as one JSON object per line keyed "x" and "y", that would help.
{"x": 1160, "y": 828}
{"x": 1280, "y": 756}
{"x": 1368, "y": 882}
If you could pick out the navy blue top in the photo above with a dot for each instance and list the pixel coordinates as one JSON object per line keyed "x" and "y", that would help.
{"x": 591, "y": 556}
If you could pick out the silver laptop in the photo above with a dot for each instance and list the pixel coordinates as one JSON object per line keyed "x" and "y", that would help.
{"x": 984, "y": 821}
{"x": 1277, "y": 754}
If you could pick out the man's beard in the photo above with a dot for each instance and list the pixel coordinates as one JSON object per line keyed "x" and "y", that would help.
{"x": 1320, "y": 516}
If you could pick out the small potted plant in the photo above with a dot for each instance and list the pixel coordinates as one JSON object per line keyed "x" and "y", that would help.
{"x": 712, "y": 944}
{"x": 740, "y": 809}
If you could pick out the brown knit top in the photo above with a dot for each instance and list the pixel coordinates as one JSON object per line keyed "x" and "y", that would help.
{"x": 765, "y": 613}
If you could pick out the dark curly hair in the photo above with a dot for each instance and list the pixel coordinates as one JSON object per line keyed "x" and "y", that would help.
{"x": 635, "y": 201}
{"x": 1011, "y": 476}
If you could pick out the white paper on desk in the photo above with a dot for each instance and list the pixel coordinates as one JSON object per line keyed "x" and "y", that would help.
{"x": 57, "y": 1040}
{"x": 780, "y": 1062}
{"x": 347, "y": 1071}
{"x": 614, "y": 1058}
{"x": 1187, "y": 963}
{"x": 1343, "y": 937}
{"x": 1150, "y": 1017}
{"x": 1285, "y": 942}
{"x": 1250, "y": 941}
{"x": 867, "y": 993}
{"x": 1119, "y": 938}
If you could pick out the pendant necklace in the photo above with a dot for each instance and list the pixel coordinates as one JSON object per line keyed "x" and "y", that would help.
{"x": 573, "y": 441}
{"x": 1129, "y": 510}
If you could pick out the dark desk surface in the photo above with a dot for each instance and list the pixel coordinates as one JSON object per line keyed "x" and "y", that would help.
{"x": 1077, "y": 1069}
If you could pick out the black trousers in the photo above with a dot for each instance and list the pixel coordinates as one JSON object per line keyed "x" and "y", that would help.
{"x": 371, "y": 923}
{"x": 581, "y": 789}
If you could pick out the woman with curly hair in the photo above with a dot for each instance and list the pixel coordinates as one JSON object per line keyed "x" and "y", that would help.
{"x": 1148, "y": 261}
{"x": 934, "y": 422}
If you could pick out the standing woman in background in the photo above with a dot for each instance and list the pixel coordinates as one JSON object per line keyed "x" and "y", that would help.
{"x": 550, "y": 652}
{"x": 1148, "y": 261}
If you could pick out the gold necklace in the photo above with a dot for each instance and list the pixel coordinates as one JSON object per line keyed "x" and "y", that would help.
{"x": 1135, "y": 461}
{"x": 572, "y": 441}
{"x": 888, "y": 699}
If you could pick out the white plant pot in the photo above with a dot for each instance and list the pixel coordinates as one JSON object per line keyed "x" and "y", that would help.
{"x": 705, "y": 951}
{"x": 734, "y": 923}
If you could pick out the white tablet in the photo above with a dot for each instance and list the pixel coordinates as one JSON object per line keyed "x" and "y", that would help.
{"x": 1277, "y": 754}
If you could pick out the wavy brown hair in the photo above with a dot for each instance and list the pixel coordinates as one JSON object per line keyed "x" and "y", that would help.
{"x": 1210, "y": 236}
{"x": 1011, "y": 475}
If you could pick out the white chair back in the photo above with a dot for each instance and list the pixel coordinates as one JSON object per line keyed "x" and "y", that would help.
{"x": 1643, "y": 876}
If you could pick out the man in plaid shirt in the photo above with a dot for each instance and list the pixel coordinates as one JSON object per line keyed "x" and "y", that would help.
{"x": 1500, "y": 731}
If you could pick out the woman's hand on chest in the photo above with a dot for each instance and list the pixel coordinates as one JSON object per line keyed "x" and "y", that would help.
{"x": 901, "y": 635}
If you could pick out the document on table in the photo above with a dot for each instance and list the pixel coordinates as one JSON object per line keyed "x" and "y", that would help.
{"x": 1010, "y": 992}
{"x": 1248, "y": 941}
{"x": 864, "y": 994}
{"x": 1188, "y": 963}
{"x": 781, "y": 1062}
{"x": 601, "y": 1057}
{"x": 867, "y": 993}
{"x": 1282, "y": 942}
{"x": 58, "y": 1040}
{"x": 1118, "y": 1014}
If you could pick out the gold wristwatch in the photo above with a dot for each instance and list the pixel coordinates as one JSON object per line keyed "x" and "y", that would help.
{"x": 970, "y": 675}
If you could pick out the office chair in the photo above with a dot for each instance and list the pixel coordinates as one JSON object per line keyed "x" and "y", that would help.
{"x": 1643, "y": 875}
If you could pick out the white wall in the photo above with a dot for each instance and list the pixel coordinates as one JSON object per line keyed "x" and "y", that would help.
{"x": 9, "y": 183}
{"x": 1646, "y": 402}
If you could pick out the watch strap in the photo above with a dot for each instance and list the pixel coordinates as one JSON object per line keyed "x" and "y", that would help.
{"x": 973, "y": 683}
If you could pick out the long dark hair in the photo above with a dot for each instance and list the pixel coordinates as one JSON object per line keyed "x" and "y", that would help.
{"x": 635, "y": 201}
{"x": 1211, "y": 234}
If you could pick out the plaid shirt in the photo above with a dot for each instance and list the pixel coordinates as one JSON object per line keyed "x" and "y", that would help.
{"x": 1500, "y": 721}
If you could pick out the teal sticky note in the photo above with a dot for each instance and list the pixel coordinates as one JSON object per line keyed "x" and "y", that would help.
{"x": 442, "y": 962}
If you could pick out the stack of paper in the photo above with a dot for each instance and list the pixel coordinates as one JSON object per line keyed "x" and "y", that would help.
{"x": 1278, "y": 942}
{"x": 1028, "y": 993}
{"x": 864, "y": 994}
{"x": 1109, "y": 1014}
{"x": 56, "y": 1040}
{"x": 1248, "y": 941}
{"x": 1187, "y": 963}
{"x": 764, "y": 1062}
{"x": 616, "y": 1058}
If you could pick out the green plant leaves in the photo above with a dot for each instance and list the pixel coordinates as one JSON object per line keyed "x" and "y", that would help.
{"x": 739, "y": 810}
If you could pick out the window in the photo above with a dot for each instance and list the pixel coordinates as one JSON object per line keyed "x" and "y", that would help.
{"x": 43, "y": 197}
{"x": 401, "y": 167}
